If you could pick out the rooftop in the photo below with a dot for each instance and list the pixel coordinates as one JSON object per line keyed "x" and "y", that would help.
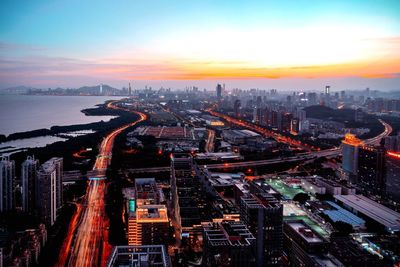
{"x": 305, "y": 231}
{"x": 313, "y": 225}
{"x": 139, "y": 256}
{"x": 379, "y": 213}
{"x": 336, "y": 213}
{"x": 151, "y": 213}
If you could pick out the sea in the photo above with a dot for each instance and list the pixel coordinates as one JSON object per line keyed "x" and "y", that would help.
{"x": 20, "y": 113}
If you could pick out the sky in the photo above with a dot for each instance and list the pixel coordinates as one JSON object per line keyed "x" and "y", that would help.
{"x": 259, "y": 44}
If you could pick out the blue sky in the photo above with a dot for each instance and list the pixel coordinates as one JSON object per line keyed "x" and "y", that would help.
{"x": 71, "y": 43}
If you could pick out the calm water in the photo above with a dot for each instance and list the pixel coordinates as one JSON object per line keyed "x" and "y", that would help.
{"x": 20, "y": 113}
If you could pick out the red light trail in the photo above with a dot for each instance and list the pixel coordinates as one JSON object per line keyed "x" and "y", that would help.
{"x": 86, "y": 243}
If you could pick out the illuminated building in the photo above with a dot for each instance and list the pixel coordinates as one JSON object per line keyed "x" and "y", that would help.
{"x": 350, "y": 147}
{"x": 7, "y": 176}
{"x": 284, "y": 121}
{"x": 327, "y": 89}
{"x": 147, "y": 219}
{"x": 295, "y": 126}
{"x": 228, "y": 243}
{"x": 139, "y": 256}
{"x": 28, "y": 178}
{"x": 371, "y": 176}
{"x": 263, "y": 214}
{"x": 48, "y": 188}
{"x": 393, "y": 176}
{"x": 147, "y": 224}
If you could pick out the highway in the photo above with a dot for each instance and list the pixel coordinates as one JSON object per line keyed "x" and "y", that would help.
{"x": 86, "y": 243}
{"x": 300, "y": 157}
{"x": 263, "y": 131}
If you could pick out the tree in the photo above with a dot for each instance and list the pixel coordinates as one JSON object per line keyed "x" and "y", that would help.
{"x": 343, "y": 228}
{"x": 301, "y": 198}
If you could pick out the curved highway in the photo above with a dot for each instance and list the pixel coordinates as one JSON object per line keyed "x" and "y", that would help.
{"x": 86, "y": 241}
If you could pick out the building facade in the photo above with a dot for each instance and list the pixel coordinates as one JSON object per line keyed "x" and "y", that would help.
{"x": 29, "y": 170}
{"x": 7, "y": 184}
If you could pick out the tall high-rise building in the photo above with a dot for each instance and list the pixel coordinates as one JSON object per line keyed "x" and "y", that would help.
{"x": 46, "y": 195}
{"x": 327, "y": 89}
{"x": 263, "y": 214}
{"x": 295, "y": 126}
{"x": 393, "y": 176}
{"x": 29, "y": 170}
{"x": 312, "y": 99}
{"x": 228, "y": 243}
{"x": 219, "y": 91}
{"x": 350, "y": 147}
{"x": 49, "y": 190}
{"x": 58, "y": 162}
{"x": 7, "y": 179}
{"x": 236, "y": 107}
{"x": 130, "y": 89}
{"x": 371, "y": 176}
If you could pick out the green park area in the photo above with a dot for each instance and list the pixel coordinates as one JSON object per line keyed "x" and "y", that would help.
{"x": 285, "y": 190}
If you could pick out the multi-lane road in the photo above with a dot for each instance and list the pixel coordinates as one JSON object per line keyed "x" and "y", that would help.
{"x": 86, "y": 243}
{"x": 263, "y": 131}
{"x": 300, "y": 157}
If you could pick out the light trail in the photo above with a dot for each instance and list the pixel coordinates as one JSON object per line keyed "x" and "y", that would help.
{"x": 86, "y": 243}
{"x": 261, "y": 130}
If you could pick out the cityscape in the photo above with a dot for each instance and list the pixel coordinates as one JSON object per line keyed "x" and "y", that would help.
{"x": 177, "y": 138}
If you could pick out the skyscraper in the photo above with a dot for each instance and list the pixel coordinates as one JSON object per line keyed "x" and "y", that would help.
{"x": 219, "y": 91}
{"x": 350, "y": 147}
{"x": 327, "y": 89}
{"x": 7, "y": 176}
{"x": 236, "y": 107}
{"x": 371, "y": 176}
{"x": 29, "y": 170}
{"x": 49, "y": 190}
{"x": 263, "y": 214}
{"x": 130, "y": 90}
{"x": 46, "y": 195}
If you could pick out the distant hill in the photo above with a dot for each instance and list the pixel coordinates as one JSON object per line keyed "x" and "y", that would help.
{"x": 106, "y": 89}
{"x": 326, "y": 113}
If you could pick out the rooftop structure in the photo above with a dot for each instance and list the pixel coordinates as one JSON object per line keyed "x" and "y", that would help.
{"x": 139, "y": 256}
{"x": 351, "y": 139}
{"x": 166, "y": 132}
{"x": 305, "y": 232}
{"x": 240, "y": 136}
{"x": 151, "y": 214}
{"x": 336, "y": 213}
{"x": 228, "y": 233}
{"x": 371, "y": 209}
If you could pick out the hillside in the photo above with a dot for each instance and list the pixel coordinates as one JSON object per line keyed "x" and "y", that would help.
{"x": 326, "y": 113}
